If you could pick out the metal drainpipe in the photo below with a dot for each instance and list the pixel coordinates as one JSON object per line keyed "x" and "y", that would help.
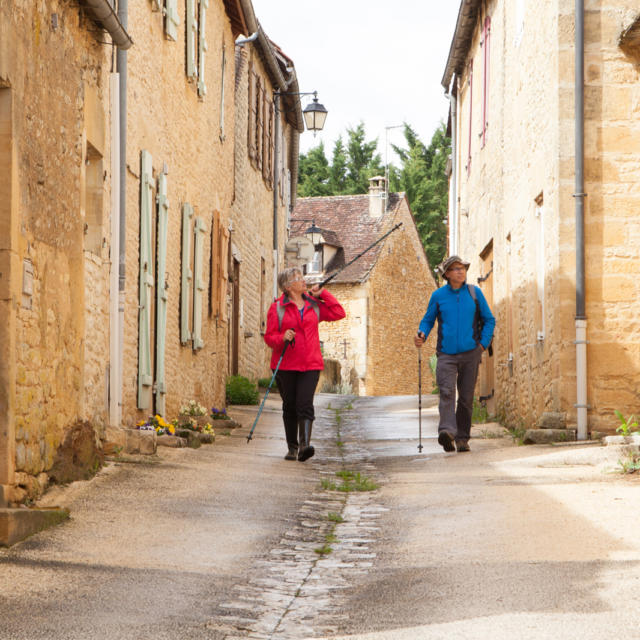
{"x": 276, "y": 146}
{"x": 453, "y": 208}
{"x": 580, "y": 318}
{"x": 121, "y": 59}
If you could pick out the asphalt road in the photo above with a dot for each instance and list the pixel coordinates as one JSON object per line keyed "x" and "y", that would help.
{"x": 230, "y": 541}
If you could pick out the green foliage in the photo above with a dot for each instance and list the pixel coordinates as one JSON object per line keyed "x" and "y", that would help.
{"x": 422, "y": 177}
{"x": 241, "y": 390}
{"x": 264, "y": 383}
{"x": 334, "y": 517}
{"x": 350, "y": 169}
{"x": 628, "y": 426}
{"x": 630, "y": 464}
{"x": 433, "y": 363}
{"x": 480, "y": 414}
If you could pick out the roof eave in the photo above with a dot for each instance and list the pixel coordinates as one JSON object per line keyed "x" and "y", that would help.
{"x": 461, "y": 43}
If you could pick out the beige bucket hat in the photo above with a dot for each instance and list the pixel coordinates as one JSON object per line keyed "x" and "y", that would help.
{"x": 445, "y": 264}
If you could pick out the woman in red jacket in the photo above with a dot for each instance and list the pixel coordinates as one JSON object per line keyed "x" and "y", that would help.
{"x": 294, "y": 318}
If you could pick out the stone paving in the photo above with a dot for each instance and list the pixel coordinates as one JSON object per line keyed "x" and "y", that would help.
{"x": 295, "y": 589}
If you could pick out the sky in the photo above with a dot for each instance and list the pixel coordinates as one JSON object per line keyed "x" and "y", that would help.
{"x": 373, "y": 61}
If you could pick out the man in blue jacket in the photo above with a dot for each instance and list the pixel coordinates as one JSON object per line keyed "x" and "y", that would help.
{"x": 465, "y": 329}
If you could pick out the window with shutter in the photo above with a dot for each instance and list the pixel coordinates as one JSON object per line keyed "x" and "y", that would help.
{"x": 486, "y": 40}
{"x": 224, "y": 271}
{"x": 224, "y": 64}
{"x": 267, "y": 168}
{"x": 470, "y": 87}
{"x": 146, "y": 280}
{"x": 161, "y": 292}
{"x": 186, "y": 275}
{"x": 192, "y": 35}
{"x": 202, "y": 47}
{"x": 199, "y": 231}
{"x": 171, "y": 19}
{"x": 214, "y": 274}
{"x": 252, "y": 115}
{"x": 259, "y": 122}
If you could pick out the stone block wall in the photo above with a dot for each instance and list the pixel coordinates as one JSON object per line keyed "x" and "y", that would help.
{"x": 49, "y": 70}
{"x": 183, "y": 133}
{"x": 516, "y": 199}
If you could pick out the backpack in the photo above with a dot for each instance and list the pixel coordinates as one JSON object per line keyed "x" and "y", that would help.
{"x": 280, "y": 310}
{"x": 477, "y": 319}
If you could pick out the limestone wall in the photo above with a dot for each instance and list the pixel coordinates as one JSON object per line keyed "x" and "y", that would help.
{"x": 182, "y": 131}
{"x": 517, "y": 207}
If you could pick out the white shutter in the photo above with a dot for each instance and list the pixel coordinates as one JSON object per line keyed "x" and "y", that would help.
{"x": 171, "y": 19}
{"x": 202, "y": 47}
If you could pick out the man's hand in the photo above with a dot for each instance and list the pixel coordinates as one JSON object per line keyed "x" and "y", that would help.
{"x": 419, "y": 339}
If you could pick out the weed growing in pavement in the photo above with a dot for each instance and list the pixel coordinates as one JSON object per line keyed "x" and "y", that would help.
{"x": 626, "y": 425}
{"x": 629, "y": 465}
{"x": 331, "y": 538}
{"x": 517, "y": 433}
{"x": 324, "y": 550}
{"x": 334, "y": 517}
{"x": 353, "y": 481}
{"x": 480, "y": 413}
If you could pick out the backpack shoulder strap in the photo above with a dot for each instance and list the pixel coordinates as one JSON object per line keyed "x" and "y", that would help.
{"x": 280, "y": 310}
{"x": 472, "y": 291}
{"x": 314, "y": 305}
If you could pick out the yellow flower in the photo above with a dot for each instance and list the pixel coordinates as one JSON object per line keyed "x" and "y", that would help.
{"x": 139, "y": 424}
{"x": 172, "y": 429}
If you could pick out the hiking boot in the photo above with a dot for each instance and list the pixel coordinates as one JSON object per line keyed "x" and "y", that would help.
{"x": 304, "y": 437}
{"x": 462, "y": 445}
{"x": 292, "y": 454}
{"x": 446, "y": 440}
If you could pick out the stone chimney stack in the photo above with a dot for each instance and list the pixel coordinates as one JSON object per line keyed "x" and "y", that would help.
{"x": 377, "y": 201}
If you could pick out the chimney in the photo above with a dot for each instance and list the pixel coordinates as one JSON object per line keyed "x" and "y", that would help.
{"x": 377, "y": 201}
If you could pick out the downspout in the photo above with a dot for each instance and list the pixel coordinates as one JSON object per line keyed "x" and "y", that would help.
{"x": 114, "y": 320}
{"x": 122, "y": 71}
{"x": 276, "y": 149}
{"x": 453, "y": 202}
{"x": 579, "y": 195}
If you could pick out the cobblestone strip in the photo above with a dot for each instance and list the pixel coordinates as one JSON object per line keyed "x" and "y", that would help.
{"x": 295, "y": 591}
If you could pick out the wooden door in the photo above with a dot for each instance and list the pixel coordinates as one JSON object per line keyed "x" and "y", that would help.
{"x": 486, "y": 384}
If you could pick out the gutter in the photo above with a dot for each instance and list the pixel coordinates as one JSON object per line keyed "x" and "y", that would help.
{"x": 465, "y": 25}
{"x": 104, "y": 14}
{"x": 579, "y": 195}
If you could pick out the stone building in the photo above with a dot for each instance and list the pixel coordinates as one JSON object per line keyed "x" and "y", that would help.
{"x": 384, "y": 293}
{"x": 262, "y": 198}
{"x": 566, "y": 343}
{"x": 126, "y": 200}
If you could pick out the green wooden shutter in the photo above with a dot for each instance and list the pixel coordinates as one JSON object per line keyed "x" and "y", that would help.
{"x": 161, "y": 292}
{"x": 198, "y": 281}
{"x": 171, "y": 19}
{"x": 187, "y": 275}
{"x": 145, "y": 374}
{"x": 192, "y": 34}
{"x": 202, "y": 47}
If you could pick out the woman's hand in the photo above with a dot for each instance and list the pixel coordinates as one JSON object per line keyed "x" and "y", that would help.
{"x": 316, "y": 290}
{"x": 289, "y": 335}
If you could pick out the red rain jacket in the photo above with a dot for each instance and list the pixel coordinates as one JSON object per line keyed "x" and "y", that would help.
{"x": 304, "y": 354}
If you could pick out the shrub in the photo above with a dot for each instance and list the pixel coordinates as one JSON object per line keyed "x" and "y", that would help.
{"x": 241, "y": 390}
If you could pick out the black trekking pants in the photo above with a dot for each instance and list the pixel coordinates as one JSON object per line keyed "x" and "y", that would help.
{"x": 296, "y": 390}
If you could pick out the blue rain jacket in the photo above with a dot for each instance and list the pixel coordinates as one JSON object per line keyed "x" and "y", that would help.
{"x": 455, "y": 311}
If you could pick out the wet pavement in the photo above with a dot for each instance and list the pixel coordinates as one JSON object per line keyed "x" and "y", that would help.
{"x": 230, "y": 541}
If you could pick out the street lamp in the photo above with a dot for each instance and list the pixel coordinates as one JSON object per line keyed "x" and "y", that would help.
{"x": 314, "y": 115}
{"x": 314, "y": 234}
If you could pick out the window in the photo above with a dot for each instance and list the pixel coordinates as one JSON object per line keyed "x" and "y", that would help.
{"x": 470, "y": 89}
{"x": 316, "y": 265}
{"x": 486, "y": 40}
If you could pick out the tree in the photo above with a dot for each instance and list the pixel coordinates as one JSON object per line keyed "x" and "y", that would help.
{"x": 351, "y": 167}
{"x": 422, "y": 177}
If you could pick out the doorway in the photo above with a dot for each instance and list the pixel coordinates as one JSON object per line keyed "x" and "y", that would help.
{"x": 486, "y": 383}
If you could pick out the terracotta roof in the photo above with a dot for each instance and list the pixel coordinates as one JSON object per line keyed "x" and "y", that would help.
{"x": 348, "y": 218}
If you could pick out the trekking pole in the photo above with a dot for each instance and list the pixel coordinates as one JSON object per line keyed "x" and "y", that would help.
{"x": 419, "y": 400}
{"x": 335, "y": 273}
{"x": 273, "y": 377}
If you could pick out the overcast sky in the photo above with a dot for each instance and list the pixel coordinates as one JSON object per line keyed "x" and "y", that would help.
{"x": 374, "y": 61}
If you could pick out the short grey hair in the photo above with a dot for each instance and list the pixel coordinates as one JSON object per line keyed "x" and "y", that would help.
{"x": 286, "y": 277}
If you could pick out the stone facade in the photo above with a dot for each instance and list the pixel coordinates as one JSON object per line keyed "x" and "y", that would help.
{"x": 53, "y": 79}
{"x": 253, "y": 205}
{"x": 57, "y": 193}
{"x": 516, "y": 211}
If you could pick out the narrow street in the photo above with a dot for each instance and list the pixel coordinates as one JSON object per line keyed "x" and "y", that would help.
{"x": 231, "y": 541}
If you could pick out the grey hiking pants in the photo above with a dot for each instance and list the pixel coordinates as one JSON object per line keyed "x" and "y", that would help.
{"x": 461, "y": 371}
